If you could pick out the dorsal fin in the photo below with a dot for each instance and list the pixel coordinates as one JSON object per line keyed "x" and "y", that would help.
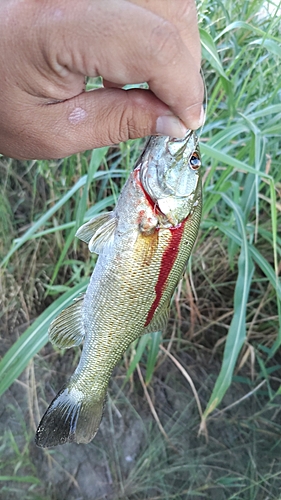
{"x": 98, "y": 232}
{"x": 67, "y": 330}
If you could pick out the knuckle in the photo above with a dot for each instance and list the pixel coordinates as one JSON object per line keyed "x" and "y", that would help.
{"x": 130, "y": 124}
{"x": 125, "y": 125}
{"x": 165, "y": 43}
{"x": 188, "y": 9}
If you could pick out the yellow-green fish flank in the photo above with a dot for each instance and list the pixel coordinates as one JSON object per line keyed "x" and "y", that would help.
{"x": 143, "y": 248}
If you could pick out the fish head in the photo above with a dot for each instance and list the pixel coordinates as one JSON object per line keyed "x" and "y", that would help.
{"x": 170, "y": 174}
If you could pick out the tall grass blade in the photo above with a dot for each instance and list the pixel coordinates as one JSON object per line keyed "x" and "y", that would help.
{"x": 21, "y": 479}
{"x": 138, "y": 354}
{"x": 237, "y": 331}
{"x": 155, "y": 339}
{"x": 213, "y": 57}
{"x": 67, "y": 243}
{"x": 270, "y": 45}
{"x": 225, "y": 158}
{"x": 94, "y": 210}
{"x": 97, "y": 157}
{"x": 44, "y": 218}
{"x": 34, "y": 338}
{"x": 255, "y": 254}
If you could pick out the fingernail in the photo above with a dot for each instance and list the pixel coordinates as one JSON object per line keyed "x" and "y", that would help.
{"x": 198, "y": 123}
{"x": 202, "y": 117}
{"x": 170, "y": 125}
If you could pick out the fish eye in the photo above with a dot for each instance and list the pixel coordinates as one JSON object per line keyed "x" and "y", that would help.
{"x": 195, "y": 161}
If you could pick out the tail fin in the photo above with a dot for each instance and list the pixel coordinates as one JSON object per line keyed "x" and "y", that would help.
{"x": 71, "y": 417}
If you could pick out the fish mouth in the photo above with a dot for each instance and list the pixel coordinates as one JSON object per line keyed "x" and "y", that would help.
{"x": 177, "y": 146}
{"x": 164, "y": 168}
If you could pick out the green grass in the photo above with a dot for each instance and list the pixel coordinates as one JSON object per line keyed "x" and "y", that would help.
{"x": 236, "y": 264}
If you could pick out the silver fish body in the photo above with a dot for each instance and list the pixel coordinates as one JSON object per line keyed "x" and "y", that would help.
{"x": 143, "y": 248}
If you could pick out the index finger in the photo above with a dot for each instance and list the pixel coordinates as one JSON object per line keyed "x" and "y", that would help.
{"x": 183, "y": 15}
{"x": 127, "y": 43}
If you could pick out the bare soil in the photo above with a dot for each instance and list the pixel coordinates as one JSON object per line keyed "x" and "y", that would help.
{"x": 129, "y": 458}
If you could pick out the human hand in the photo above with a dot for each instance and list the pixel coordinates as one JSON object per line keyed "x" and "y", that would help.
{"x": 47, "y": 48}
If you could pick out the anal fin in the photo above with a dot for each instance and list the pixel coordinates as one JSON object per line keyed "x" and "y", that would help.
{"x": 67, "y": 330}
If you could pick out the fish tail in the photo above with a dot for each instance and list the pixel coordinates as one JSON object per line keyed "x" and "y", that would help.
{"x": 71, "y": 417}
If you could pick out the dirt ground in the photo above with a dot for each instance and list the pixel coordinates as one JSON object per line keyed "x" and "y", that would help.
{"x": 130, "y": 458}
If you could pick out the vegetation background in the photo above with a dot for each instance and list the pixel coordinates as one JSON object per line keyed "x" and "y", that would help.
{"x": 217, "y": 369}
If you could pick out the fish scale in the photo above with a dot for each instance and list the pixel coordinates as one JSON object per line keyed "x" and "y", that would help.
{"x": 143, "y": 247}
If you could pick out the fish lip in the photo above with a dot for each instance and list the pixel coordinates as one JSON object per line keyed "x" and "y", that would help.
{"x": 187, "y": 136}
{"x": 173, "y": 142}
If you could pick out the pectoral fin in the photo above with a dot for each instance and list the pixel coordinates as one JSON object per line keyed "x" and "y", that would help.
{"x": 67, "y": 330}
{"x": 86, "y": 232}
{"x": 98, "y": 232}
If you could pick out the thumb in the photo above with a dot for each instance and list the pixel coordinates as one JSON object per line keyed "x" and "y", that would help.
{"x": 90, "y": 120}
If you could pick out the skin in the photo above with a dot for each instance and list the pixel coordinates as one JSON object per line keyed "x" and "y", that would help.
{"x": 47, "y": 48}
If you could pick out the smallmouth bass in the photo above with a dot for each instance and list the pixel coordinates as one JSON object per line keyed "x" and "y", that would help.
{"x": 143, "y": 246}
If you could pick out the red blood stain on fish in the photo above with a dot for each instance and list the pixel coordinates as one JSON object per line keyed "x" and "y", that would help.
{"x": 151, "y": 202}
{"x": 147, "y": 197}
{"x": 167, "y": 262}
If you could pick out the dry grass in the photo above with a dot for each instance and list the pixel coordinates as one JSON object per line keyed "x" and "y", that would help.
{"x": 42, "y": 204}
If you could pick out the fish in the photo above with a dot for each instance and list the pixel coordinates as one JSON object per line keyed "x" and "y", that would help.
{"x": 143, "y": 246}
